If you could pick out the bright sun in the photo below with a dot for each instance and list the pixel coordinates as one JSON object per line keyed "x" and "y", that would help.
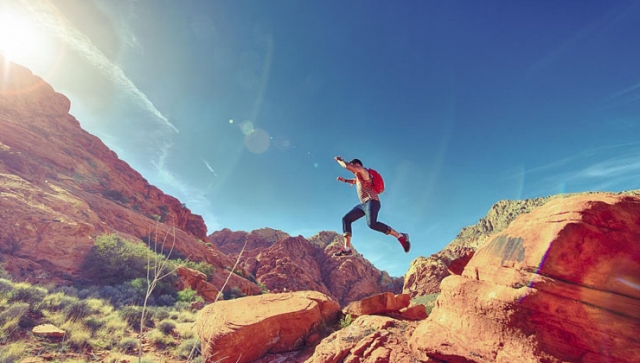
{"x": 19, "y": 38}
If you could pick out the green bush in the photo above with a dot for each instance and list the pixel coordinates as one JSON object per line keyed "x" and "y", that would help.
{"x": 78, "y": 310}
{"x": 12, "y": 318}
{"x": 202, "y": 266}
{"x": 166, "y": 326}
{"x": 187, "y": 295}
{"x": 346, "y": 321}
{"x": 32, "y": 295}
{"x": 127, "y": 345}
{"x": 114, "y": 260}
{"x": 133, "y": 315}
{"x": 429, "y": 301}
{"x": 6, "y": 286}
{"x": 93, "y": 324}
{"x": 189, "y": 348}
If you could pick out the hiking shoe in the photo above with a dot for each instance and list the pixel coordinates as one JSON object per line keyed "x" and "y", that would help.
{"x": 404, "y": 241}
{"x": 343, "y": 252}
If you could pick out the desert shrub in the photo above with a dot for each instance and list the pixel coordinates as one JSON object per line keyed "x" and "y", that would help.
{"x": 159, "y": 338}
{"x": 161, "y": 313}
{"x": 186, "y": 317}
{"x": 114, "y": 260}
{"x": 128, "y": 345}
{"x": 5, "y": 286}
{"x": 78, "y": 336}
{"x": 93, "y": 324}
{"x": 166, "y": 326}
{"x": 78, "y": 310}
{"x": 429, "y": 301}
{"x": 189, "y": 348}
{"x": 13, "y": 318}
{"x": 201, "y": 266}
{"x": 66, "y": 290}
{"x": 133, "y": 315}
{"x": 185, "y": 331}
{"x": 187, "y": 295}
{"x": 112, "y": 331}
{"x": 32, "y": 295}
{"x": 57, "y": 301}
{"x": 13, "y": 352}
{"x": 346, "y": 321}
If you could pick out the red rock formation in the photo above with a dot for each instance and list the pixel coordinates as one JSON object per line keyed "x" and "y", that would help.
{"x": 284, "y": 263}
{"x": 60, "y": 187}
{"x": 559, "y": 284}
{"x": 378, "y": 304}
{"x": 369, "y": 339}
{"x": 246, "y": 329}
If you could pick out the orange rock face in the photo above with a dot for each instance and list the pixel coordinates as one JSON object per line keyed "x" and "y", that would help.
{"x": 368, "y": 339}
{"x": 60, "y": 187}
{"x": 246, "y": 329}
{"x": 559, "y": 284}
{"x": 284, "y": 263}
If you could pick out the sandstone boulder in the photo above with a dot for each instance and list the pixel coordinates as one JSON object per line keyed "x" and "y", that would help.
{"x": 245, "y": 329}
{"x": 48, "y": 331}
{"x": 368, "y": 339}
{"x": 559, "y": 284}
{"x": 378, "y": 304}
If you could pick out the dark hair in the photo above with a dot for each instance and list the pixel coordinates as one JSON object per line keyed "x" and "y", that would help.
{"x": 356, "y": 161}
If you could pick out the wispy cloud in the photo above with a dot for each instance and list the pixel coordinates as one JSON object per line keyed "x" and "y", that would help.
{"x": 613, "y": 167}
{"x": 206, "y": 163}
{"x": 49, "y": 17}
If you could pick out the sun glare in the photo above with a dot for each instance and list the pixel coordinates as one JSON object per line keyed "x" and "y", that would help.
{"x": 19, "y": 38}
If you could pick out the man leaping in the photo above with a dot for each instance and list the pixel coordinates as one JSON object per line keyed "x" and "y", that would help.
{"x": 369, "y": 206}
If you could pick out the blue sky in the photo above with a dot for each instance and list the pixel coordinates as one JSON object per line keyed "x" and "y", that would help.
{"x": 237, "y": 108}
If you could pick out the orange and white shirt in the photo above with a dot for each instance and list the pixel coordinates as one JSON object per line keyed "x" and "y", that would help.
{"x": 365, "y": 190}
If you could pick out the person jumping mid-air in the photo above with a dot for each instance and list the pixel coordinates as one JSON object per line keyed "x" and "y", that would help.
{"x": 369, "y": 206}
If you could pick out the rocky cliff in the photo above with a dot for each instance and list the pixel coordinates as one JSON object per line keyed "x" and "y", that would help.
{"x": 426, "y": 273}
{"x": 283, "y": 263}
{"x": 60, "y": 187}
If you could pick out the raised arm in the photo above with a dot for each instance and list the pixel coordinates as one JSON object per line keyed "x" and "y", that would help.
{"x": 354, "y": 168}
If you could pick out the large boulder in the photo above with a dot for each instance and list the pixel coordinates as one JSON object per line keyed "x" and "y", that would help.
{"x": 559, "y": 284}
{"x": 368, "y": 339}
{"x": 245, "y": 329}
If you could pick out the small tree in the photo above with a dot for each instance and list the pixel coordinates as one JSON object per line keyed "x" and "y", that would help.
{"x": 158, "y": 268}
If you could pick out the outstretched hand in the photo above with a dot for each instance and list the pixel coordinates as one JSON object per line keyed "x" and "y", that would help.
{"x": 338, "y": 158}
{"x": 341, "y": 179}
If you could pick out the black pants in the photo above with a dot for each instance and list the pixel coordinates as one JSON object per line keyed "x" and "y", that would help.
{"x": 369, "y": 209}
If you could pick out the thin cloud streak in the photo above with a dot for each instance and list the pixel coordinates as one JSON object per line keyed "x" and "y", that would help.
{"x": 206, "y": 163}
{"x": 50, "y": 18}
{"x": 598, "y": 169}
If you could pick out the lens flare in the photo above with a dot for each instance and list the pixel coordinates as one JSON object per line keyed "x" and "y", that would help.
{"x": 257, "y": 141}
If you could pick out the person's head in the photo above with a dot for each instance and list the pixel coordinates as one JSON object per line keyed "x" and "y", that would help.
{"x": 356, "y": 161}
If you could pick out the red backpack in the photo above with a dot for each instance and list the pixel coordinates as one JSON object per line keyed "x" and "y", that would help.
{"x": 376, "y": 181}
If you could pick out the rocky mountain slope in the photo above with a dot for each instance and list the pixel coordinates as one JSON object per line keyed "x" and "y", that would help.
{"x": 426, "y": 273}
{"x": 61, "y": 187}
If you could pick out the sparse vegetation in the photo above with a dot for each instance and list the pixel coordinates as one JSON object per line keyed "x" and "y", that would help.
{"x": 346, "y": 321}
{"x": 91, "y": 325}
{"x": 429, "y": 301}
